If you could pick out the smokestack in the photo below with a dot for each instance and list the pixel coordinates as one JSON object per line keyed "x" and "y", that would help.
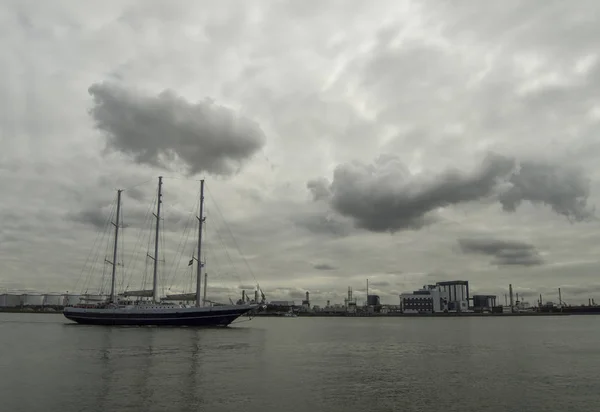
{"x": 510, "y": 293}
{"x": 256, "y": 296}
{"x": 243, "y": 295}
{"x": 559, "y": 297}
{"x": 540, "y": 299}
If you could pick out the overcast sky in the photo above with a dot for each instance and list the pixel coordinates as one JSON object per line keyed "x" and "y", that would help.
{"x": 404, "y": 142}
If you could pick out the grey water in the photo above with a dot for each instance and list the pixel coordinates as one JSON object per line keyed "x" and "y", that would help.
{"x": 303, "y": 364}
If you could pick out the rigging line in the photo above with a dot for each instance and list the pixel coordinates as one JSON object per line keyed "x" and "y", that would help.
{"x": 184, "y": 240}
{"x": 93, "y": 266}
{"x": 163, "y": 262}
{"x": 231, "y": 263}
{"x": 122, "y": 251}
{"x": 140, "y": 239}
{"x": 180, "y": 250}
{"x": 138, "y": 184}
{"x": 181, "y": 178}
{"x": 142, "y": 234}
{"x": 99, "y": 233}
{"x": 233, "y": 237}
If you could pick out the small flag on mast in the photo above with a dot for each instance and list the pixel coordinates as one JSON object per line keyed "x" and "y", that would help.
{"x": 191, "y": 262}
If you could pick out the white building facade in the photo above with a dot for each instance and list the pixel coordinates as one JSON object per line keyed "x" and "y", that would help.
{"x": 430, "y": 299}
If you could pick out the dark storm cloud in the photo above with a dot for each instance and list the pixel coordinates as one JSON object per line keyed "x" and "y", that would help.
{"x": 324, "y": 266}
{"x": 385, "y": 196}
{"x": 158, "y": 130}
{"x": 565, "y": 190}
{"x": 136, "y": 216}
{"x": 504, "y": 252}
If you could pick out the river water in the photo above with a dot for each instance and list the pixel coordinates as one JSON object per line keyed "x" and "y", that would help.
{"x": 303, "y": 364}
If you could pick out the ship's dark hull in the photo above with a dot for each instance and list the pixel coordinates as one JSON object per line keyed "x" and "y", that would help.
{"x": 205, "y": 318}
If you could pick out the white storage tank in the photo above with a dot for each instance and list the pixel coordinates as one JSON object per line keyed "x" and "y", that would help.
{"x": 90, "y": 299}
{"x": 8, "y": 300}
{"x": 70, "y": 299}
{"x": 53, "y": 300}
{"x": 32, "y": 300}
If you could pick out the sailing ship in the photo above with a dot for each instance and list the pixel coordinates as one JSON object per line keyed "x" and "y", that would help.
{"x": 119, "y": 310}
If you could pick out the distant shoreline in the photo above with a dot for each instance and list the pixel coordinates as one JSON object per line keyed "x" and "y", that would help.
{"x": 422, "y": 315}
{"x": 363, "y": 315}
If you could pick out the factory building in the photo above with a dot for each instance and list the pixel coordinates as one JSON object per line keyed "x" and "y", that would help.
{"x": 280, "y": 306}
{"x": 373, "y": 300}
{"x": 430, "y": 299}
{"x": 458, "y": 294}
{"x": 306, "y": 303}
{"x": 483, "y": 303}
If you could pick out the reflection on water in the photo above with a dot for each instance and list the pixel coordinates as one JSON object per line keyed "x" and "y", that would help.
{"x": 298, "y": 364}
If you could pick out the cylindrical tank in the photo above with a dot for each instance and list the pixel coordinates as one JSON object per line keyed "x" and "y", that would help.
{"x": 373, "y": 300}
{"x": 9, "y": 300}
{"x": 32, "y": 300}
{"x": 91, "y": 299}
{"x": 53, "y": 300}
{"x": 70, "y": 299}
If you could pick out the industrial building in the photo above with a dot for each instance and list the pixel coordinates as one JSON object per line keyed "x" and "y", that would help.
{"x": 37, "y": 300}
{"x": 484, "y": 303}
{"x": 458, "y": 294}
{"x": 430, "y": 299}
{"x": 449, "y": 296}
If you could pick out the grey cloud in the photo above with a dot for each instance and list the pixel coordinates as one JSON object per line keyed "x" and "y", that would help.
{"x": 136, "y": 194}
{"x": 565, "y": 190}
{"x": 385, "y": 196}
{"x": 297, "y": 294}
{"x": 246, "y": 287}
{"x": 321, "y": 224}
{"x": 161, "y": 130}
{"x": 381, "y": 283}
{"x": 504, "y": 252}
{"x": 137, "y": 216}
{"x": 324, "y": 266}
{"x": 319, "y": 188}
{"x": 95, "y": 217}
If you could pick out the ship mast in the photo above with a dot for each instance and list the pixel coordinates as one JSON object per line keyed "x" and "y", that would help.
{"x": 201, "y": 219}
{"x": 114, "y": 262}
{"x": 157, "y": 215}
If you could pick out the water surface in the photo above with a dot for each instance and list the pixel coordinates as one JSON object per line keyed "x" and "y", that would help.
{"x": 303, "y": 364}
